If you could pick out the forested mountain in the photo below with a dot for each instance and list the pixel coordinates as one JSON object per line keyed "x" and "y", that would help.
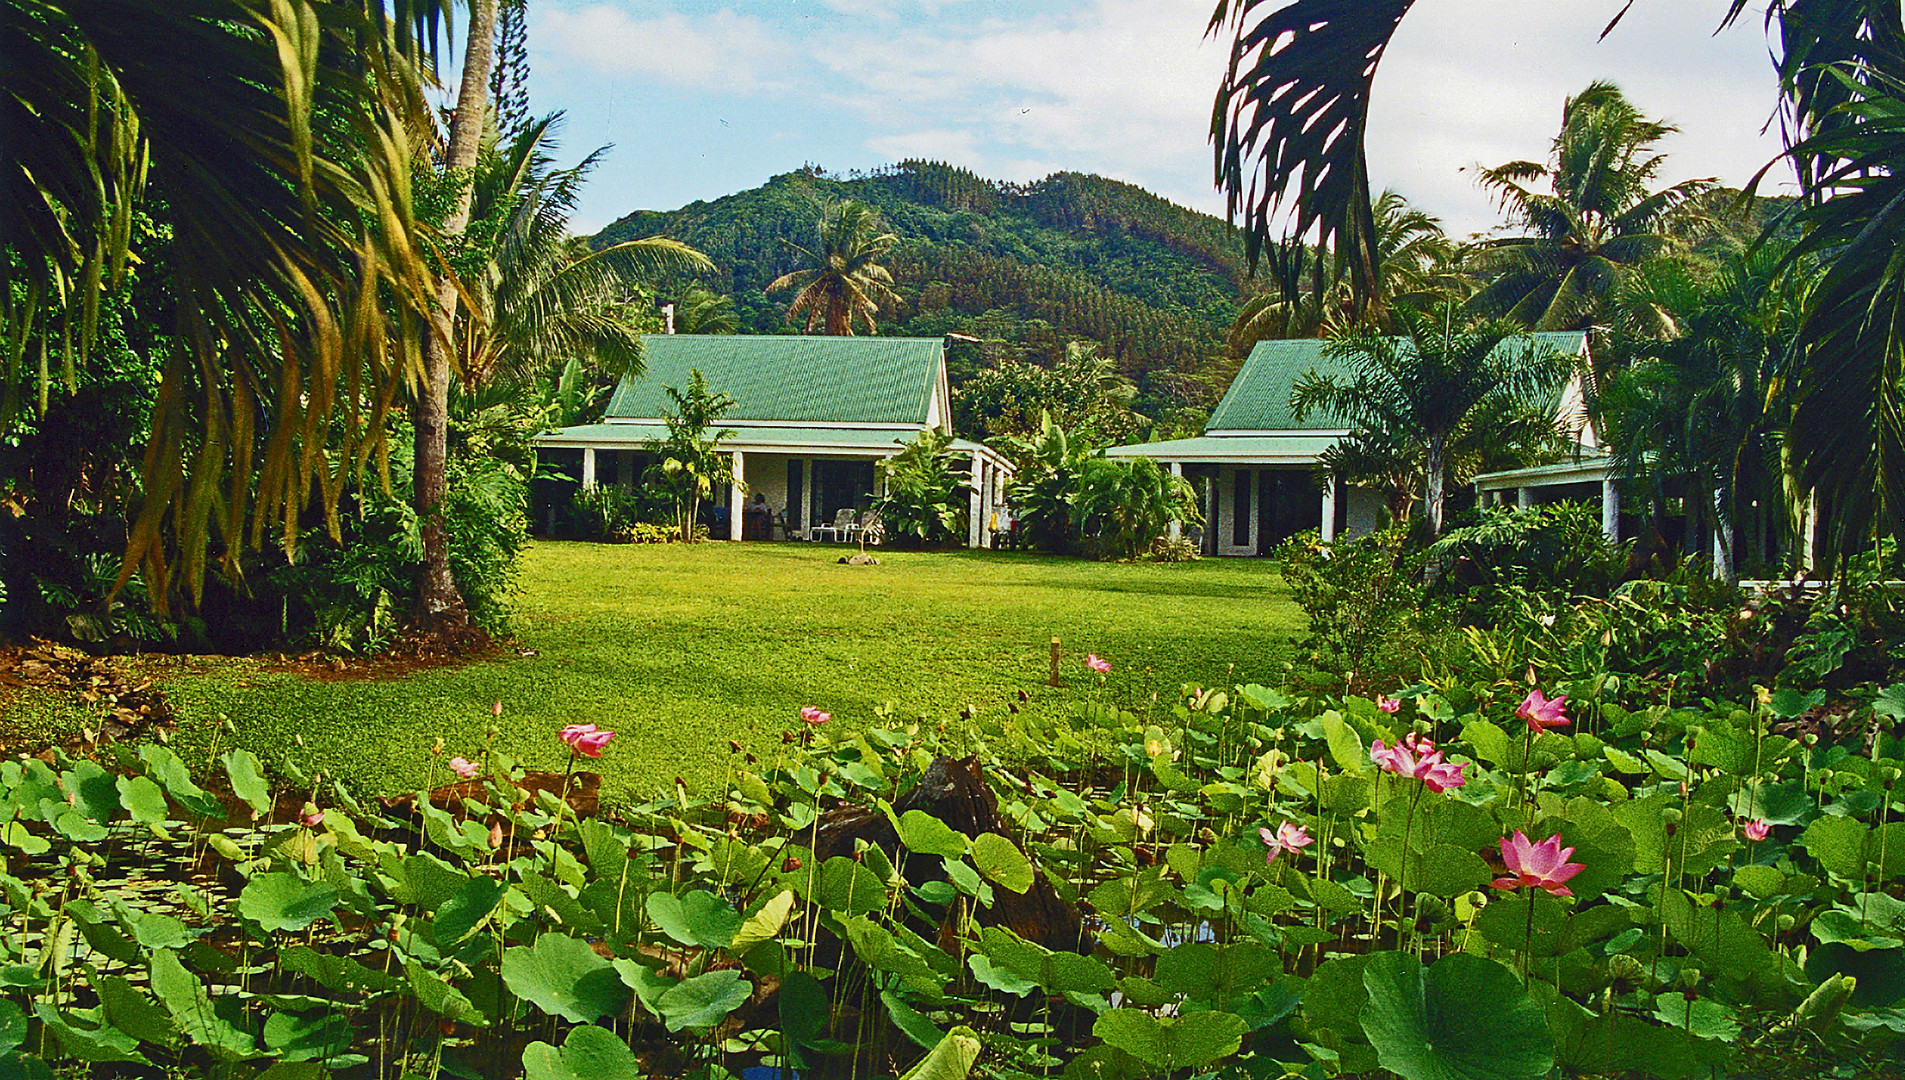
{"x": 1032, "y": 266}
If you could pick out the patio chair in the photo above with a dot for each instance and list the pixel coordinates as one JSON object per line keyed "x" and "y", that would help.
{"x": 841, "y": 529}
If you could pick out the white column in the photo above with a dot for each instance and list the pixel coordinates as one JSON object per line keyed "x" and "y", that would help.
{"x": 1177, "y": 527}
{"x": 1809, "y": 534}
{"x": 1610, "y": 510}
{"x": 737, "y": 495}
{"x": 588, "y": 468}
{"x": 1524, "y": 497}
{"x": 806, "y": 497}
{"x": 988, "y": 492}
{"x": 974, "y": 508}
{"x": 1330, "y": 485}
{"x": 1255, "y": 488}
{"x": 1722, "y": 540}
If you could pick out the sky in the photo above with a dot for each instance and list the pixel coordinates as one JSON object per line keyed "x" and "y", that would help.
{"x": 704, "y": 99}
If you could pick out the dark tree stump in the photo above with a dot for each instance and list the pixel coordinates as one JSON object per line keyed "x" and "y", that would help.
{"x": 955, "y": 792}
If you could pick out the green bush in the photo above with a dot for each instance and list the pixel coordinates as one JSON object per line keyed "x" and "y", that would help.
{"x": 1558, "y": 547}
{"x": 928, "y": 494}
{"x": 1370, "y": 620}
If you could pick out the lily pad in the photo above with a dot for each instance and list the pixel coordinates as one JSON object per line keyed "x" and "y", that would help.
{"x": 563, "y": 976}
{"x": 1465, "y": 1018}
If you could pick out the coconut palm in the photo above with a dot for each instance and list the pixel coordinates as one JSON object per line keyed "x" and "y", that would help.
{"x": 842, "y": 284}
{"x": 1441, "y": 394}
{"x": 1590, "y": 213}
{"x": 1415, "y": 264}
{"x": 541, "y": 298}
{"x": 1288, "y": 125}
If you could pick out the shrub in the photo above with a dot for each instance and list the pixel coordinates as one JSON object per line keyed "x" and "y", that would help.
{"x": 928, "y": 495}
{"x": 1557, "y": 547}
{"x": 1369, "y": 617}
{"x": 1128, "y": 503}
{"x": 1165, "y": 549}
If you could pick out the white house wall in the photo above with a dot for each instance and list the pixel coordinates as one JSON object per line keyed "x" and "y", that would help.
{"x": 1363, "y": 515}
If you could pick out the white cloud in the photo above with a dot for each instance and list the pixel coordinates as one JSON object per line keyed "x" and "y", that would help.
{"x": 1124, "y": 88}
{"x": 722, "y": 51}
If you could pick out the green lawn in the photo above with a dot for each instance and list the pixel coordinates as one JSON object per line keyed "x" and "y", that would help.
{"x": 680, "y": 649}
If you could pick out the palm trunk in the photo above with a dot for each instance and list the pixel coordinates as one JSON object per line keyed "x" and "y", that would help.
{"x": 439, "y": 601}
{"x": 1437, "y": 466}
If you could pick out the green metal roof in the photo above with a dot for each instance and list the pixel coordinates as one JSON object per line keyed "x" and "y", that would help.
{"x": 1241, "y": 449}
{"x": 866, "y": 380}
{"x": 1259, "y": 397}
{"x": 762, "y": 439}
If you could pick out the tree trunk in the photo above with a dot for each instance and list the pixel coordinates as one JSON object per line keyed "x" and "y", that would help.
{"x": 1437, "y": 467}
{"x": 439, "y": 601}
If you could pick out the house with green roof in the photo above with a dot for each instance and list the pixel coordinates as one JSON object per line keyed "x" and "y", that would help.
{"x": 812, "y": 416}
{"x": 1257, "y": 466}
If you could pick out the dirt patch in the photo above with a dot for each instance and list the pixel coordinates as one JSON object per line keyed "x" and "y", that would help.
{"x": 126, "y": 702}
{"x": 410, "y": 653}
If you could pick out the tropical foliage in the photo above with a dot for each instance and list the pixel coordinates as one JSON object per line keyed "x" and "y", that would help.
{"x": 1430, "y": 406}
{"x": 1082, "y": 393}
{"x": 690, "y": 464}
{"x": 1051, "y": 466}
{"x": 927, "y": 494}
{"x": 1707, "y": 408}
{"x": 1415, "y": 265}
{"x": 1591, "y": 215}
{"x": 841, "y": 284}
{"x": 1126, "y": 504}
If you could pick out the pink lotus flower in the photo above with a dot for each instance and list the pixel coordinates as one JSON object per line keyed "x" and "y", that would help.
{"x": 814, "y": 716}
{"x": 1289, "y": 837}
{"x": 1756, "y": 829}
{"x": 464, "y": 768}
{"x": 1102, "y": 667}
{"x": 1403, "y": 760}
{"x": 312, "y": 817}
{"x": 1388, "y": 704}
{"x": 1542, "y": 712}
{"x": 1543, "y": 866}
{"x": 586, "y": 739}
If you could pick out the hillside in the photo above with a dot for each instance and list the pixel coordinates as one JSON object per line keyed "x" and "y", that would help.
{"x": 1033, "y": 266}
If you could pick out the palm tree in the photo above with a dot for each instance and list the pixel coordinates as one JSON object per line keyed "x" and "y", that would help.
{"x": 1709, "y": 406}
{"x": 703, "y": 311}
{"x": 842, "y": 283}
{"x": 276, "y": 143}
{"x": 1847, "y": 435}
{"x": 690, "y": 464}
{"x": 541, "y": 298}
{"x": 1415, "y": 265}
{"x": 1288, "y": 125}
{"x": 1444, "y": 393}
{"x": 1597, "y": 220}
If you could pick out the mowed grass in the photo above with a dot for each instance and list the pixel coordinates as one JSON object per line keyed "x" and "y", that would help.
{"x": 681, "y": 649}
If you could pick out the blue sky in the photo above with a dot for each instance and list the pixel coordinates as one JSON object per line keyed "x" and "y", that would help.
{"x": 703, "y": 99}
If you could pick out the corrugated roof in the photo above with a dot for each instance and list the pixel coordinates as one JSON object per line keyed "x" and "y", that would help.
{"x": 760, "y": 439}
{"x": 866, "y": 380}
{"x": 1242, "y": 449}
{"x": 1259, "y": 398}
